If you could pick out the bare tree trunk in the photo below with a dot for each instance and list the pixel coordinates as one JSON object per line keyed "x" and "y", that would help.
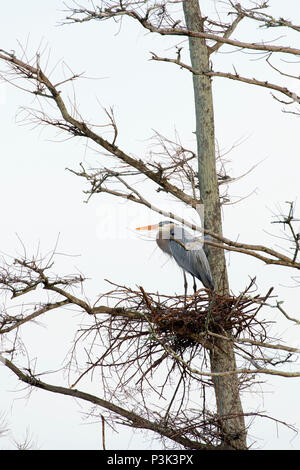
{"x": 222, "y": 357}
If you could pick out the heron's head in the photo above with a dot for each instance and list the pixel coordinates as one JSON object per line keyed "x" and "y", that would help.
{"x": 165, "y": 228}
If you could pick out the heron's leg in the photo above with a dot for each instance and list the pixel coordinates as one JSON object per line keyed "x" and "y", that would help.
{"x": 194, "y": 285}
{"x": 195, "y": 290}
{"x": 185, "y": 286}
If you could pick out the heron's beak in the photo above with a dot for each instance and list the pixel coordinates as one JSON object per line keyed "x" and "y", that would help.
{"x": 148, "y": 227}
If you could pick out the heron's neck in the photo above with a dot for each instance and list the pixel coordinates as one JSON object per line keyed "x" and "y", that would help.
{"x": 163, "y": 241}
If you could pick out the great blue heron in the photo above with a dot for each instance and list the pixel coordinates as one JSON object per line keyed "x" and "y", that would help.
{"x": 175, "y": 241}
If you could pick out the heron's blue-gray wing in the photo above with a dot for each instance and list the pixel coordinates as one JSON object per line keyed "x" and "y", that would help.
{"x": 193, "y": 261}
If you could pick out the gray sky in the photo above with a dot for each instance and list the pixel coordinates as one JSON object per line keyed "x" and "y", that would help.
{"x": 40, "y": 200}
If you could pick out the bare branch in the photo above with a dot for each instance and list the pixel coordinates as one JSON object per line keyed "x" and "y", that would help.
{"x": 130, "y": 418}
{"x": 82, "y": 15}
{"x": 267, "y": 20}
{"x": 17, "y": 321}
{"x": 251, "y": 81}
{"x": 228, "y": 32}
{"x": 80, "y": 128}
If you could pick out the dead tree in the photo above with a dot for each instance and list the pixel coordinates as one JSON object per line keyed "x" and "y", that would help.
{"x": 199, "y": 342}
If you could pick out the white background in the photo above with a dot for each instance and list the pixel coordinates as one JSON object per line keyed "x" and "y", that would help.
{"x": 40, "y": 199}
